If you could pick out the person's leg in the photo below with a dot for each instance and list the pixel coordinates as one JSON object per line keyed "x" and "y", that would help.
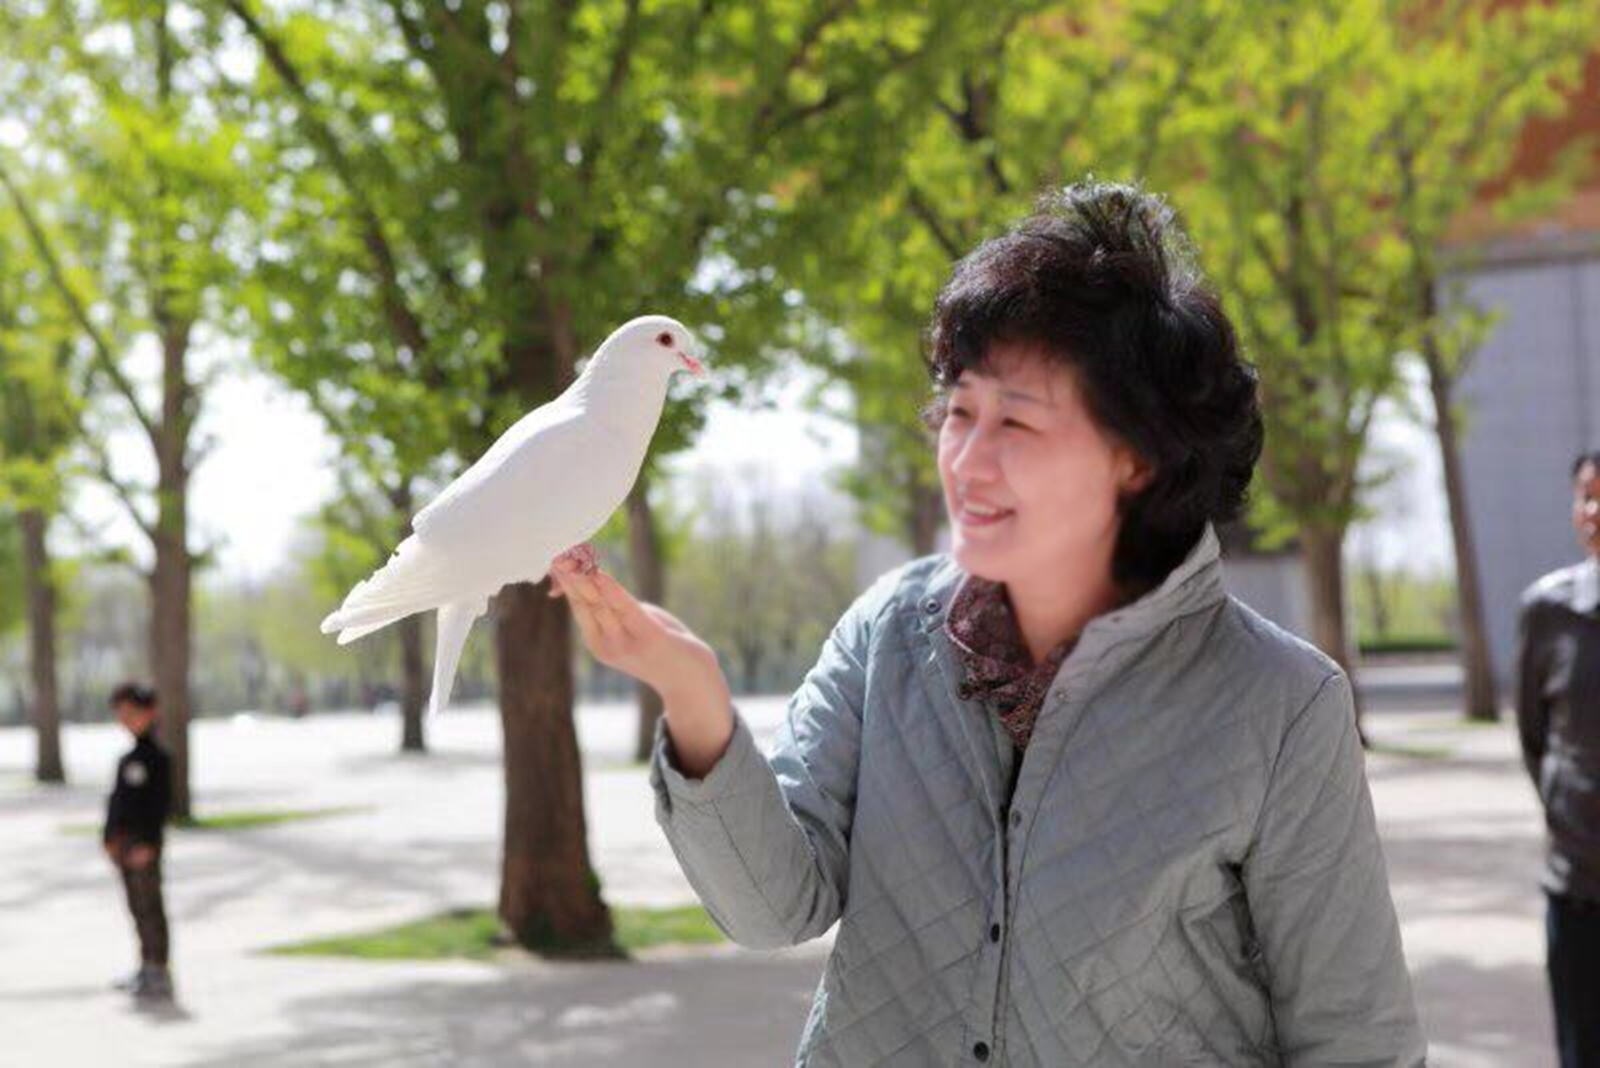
{"x": 1573, "y": 937}
{"x": 130, "y": 892}
{"x": 150, "y": 917}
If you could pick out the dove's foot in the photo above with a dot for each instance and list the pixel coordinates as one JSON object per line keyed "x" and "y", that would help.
{"x": 582, "y": 555}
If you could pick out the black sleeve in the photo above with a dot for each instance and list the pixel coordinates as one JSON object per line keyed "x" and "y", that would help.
{"x": 161, "y": 792}
{"x": 140, "y": 801}
{"x": 1533, "y": 716}
{"x": 113, "y": 809}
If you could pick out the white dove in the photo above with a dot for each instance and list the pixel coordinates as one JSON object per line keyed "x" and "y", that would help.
{"x": 549, "y": 483}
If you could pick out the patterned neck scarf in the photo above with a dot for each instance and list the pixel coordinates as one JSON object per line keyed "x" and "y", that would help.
{"x": 998, "y": 668}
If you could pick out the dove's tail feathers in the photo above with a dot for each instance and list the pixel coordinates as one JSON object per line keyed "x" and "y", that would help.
{"x": 413, "y": 580}
{"x": 350, "y": 634}
{"x": 455, "y": 622}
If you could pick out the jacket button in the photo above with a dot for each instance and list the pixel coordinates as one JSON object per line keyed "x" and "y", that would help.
{"x": 994, "y": 933}
{"x": 981, "y": 1051}
{"x": 1016, "y": 818}
{"x": 931, "y": 604}
{"x": 1060, "y": 695}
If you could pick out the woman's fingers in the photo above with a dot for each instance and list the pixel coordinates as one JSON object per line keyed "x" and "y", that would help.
{"x": 629, "y": 612}
{"x": 584, "y": 596}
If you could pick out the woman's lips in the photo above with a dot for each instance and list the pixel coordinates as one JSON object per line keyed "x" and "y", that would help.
{"x": 971, "y": 518}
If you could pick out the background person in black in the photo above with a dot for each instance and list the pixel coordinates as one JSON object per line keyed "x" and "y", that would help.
{"x": 135, "y": 815}
{"x": 1558, "y": 716}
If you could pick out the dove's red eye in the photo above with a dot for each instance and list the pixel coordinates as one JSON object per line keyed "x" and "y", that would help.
{"x": 664, "y": 339}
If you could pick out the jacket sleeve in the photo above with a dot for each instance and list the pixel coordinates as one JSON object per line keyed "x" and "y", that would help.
{"x": 1533, "y": 713}
{"x": 159, "y": 800}
{"x": 1319, "y": 899}
{"x": 766, "y": 841}
{"x": 113, "y": 827}
{"x": 138, "y": 810}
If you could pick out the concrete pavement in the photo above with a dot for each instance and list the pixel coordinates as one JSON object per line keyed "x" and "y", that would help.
{"x": 1461, "y": 834}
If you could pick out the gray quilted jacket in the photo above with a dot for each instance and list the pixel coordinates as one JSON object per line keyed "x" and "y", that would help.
{"x": 1186, "y": 871}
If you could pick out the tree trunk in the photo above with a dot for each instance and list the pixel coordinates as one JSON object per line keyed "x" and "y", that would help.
{"x": 41, "y": 593}
{"x": 1378, "y": 594}
{"x": 649, "y": 576}
{"x": 549, "y": 896}
{"x": 1482, "y": 703}
{"x": 413, "y": 677}
{"x": 413, "y": 686}
{"x": 171, "y": 629}
{"x": 171, "y": 581}
{"x": 925, "y": 511}
{"x": 1322, "y": 551}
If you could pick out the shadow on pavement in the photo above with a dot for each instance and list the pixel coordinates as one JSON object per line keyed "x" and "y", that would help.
{"x": 747, "y": 1009}
{"x": 1511, "y": 1029}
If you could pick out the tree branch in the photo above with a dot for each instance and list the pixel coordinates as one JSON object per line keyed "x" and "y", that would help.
{"x": 403, "y": 321}
{"x": 621, "y": 66}
{"x": 924, "y": 211}
{"x": 107, "y": 361}
{"x": 808, "y": 40}
{"x": 124, "y": 493}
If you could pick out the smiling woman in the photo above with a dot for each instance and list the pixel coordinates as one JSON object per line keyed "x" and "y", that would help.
{"x": 1067, "y": 801}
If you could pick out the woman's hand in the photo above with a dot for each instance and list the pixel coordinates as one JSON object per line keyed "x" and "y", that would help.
{"x": 651, "y": 644}
{"x": 634, "y": 637}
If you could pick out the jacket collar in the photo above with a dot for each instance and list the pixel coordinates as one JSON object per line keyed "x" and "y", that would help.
{"x": 1586, "y": 585}
{"x": 1194, "y": 584}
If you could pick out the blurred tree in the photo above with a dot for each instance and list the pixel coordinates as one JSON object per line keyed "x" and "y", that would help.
{"x": 579, "y": 163}
{"x": 39, "y": 414}
{"x": 142, "y": 187}
{"x": 1040, "y": 95}
{"x": 1461, "y": 90}
{"x": 769, "y": 571}
{"x": 1285, "y": 192}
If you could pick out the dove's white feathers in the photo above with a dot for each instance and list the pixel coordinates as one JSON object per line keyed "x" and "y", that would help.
{"x": 550, "y": 482}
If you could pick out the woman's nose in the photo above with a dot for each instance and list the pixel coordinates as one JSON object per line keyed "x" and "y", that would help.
{"x": 975, "y": 457}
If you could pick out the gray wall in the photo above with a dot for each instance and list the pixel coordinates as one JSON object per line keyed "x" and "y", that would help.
{"x": 1531, "y": 398}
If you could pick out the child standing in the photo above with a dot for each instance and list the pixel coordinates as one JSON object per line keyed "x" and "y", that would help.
{"x": 135, "y": 815}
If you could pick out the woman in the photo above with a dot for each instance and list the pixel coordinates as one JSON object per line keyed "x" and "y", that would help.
{"x": 1068, "y": 802}
{"x": 1558, "y": 715}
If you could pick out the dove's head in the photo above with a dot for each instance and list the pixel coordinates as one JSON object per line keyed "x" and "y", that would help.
{"x": 654, "y": 341}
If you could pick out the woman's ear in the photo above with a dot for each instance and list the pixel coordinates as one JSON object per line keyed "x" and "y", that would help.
{"x": 1137, "y": 473}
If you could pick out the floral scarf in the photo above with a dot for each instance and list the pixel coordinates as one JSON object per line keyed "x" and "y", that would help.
{"x": 998, "y": 668}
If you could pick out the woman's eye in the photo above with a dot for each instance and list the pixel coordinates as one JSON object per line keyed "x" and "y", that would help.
{"x": 1019, "y": 426}
{"x": 957, "y": 413}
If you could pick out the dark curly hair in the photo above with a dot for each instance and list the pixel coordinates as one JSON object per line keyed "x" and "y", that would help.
{"x": 1101, "y": 279}
{"x": 134, "y": 693}
{"x": 1589, "y": 457}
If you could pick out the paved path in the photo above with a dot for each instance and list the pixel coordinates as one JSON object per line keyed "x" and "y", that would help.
{"x": 1461, "y": 834}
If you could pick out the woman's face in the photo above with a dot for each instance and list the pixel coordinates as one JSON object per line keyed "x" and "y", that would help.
{"x": 1019, "y": 439}
{"x": 1586, "y": 508}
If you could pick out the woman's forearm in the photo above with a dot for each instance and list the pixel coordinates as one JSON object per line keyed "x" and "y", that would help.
{"x": 699, "y": 717}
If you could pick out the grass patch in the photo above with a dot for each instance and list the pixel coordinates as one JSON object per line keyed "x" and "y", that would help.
{"x": 461, "y": 934}
{"x": 1421, "y": 643}
{"x": 1412, "y": 752}
{"x": 239, "y": 821}
{"x": 644, "y": 928}
{"x": 474, "y": 934}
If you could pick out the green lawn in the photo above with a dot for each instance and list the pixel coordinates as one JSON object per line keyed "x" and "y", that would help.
{"x": 240, "y": 821}
{"x": 474, "y": 934}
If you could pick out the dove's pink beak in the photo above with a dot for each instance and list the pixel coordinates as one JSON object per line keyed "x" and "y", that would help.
{"x": 694, "y": 365}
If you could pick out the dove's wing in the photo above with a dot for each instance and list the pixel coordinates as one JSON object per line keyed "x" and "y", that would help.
{"x": 505, "y": 519}
{"x": 539, "y": 422}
